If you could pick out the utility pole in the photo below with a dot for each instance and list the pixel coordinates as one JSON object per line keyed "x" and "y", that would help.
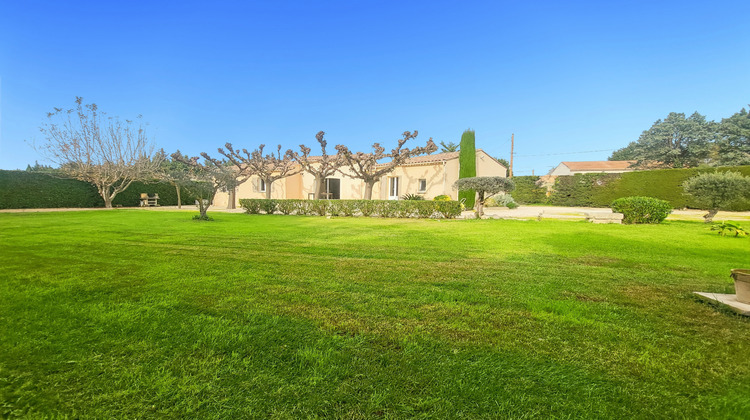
{"x": 511, "y": 156}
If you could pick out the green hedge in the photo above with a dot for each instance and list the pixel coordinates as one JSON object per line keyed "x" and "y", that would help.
{"x": 637, "y": 210}
{"x": 34, "y": 190}
{"x": 599, "y": 190}
{"x": 382, "y": 208}
{"x": 527, "y": 191}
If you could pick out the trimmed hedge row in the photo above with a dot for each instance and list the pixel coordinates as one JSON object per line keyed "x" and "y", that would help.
{"x": 35, "y": 190}
{"x": 382, "y": 208}
{"x": 599, "y": 190}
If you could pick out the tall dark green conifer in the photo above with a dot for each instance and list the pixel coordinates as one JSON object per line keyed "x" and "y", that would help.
{"x": 467, "y": 165}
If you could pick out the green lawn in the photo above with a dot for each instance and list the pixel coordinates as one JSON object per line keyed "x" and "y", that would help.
{"x": 136, "y": 314}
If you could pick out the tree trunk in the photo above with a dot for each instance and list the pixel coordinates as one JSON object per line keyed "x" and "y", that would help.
{"x": 319, "y": 184}
{"x": 709, "y": 217}
{"x": 268, "y": 189}
{"x": 368, "y": 189}
{"x": 480, "y": 205}
{"x": 231, "y": 198}
{"x": 179, "y": 200}
{"x": 107, "y": 202}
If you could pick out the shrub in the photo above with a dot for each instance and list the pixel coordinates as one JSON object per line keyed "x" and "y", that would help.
{"x": 448, "y": 209}
{"x": 425, "y": 209}
{"x": 405, "y": 208}
{"x": 467, "y": 166}
{"x": 415, "y": 197}
{"x": 501, "y": 200}
{"x": 442, "y": 197}
{"x": 728, "y": 228}
{"x": 319, "y": 207}
{"x": 642, "y": 209}
{"x": 287, "y": 206}
{"x": 304, "y": 207}
{"x": 387, "y": 208}
{"x": 367, "y": 207}
{"x": 347, "y": 207}
{"x": 251, "y": 205}
{"x": 268, "y": 205}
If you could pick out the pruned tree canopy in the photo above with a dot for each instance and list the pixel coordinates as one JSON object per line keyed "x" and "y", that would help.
{"x": 269, "y": 167}
{"x": 712, "y": 191}
{"x": 485, "y": 186}
{"x": 365, "y": 166}
{"x": 321, "y": 167}
{"x": 105, "y": 151}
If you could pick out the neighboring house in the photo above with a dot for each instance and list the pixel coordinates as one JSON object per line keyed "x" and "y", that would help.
{"x": 604, "y": 166}
{"x": 590, "y": 167}
{"x": 428, "y": 176}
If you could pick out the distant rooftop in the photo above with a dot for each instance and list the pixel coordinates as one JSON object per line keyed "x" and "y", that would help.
{"x": 602, "y": 165}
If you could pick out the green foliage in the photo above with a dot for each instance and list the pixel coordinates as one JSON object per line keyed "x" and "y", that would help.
{"x": 734, "y": 140}
{"x": 528, "y": 192}
{"x": 718, "y": 189}
{"x": 203, "y": 218}
{"x": 599, "y": 190}
{"x": 442, "y": 197}
{"x": 268, "y": 205}
{"x": 366, "y": 208}
{"x": 675, "y": 142}
{"x": 729, "y": 228}
{"x": 449, "y": 147}
{"x": 467, "y": 161}
{"x": 38, "y": 189}
{"x": 485, "y": 185}
{"x": 415, "y": 197}
{"x": 501, "y": 200}
{"x": 637, "y": 210}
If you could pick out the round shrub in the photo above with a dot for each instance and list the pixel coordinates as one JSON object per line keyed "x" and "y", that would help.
{"x": 642, "y": 209}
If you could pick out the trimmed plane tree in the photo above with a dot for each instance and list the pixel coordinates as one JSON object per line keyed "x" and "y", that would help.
{"x": 321, "y": 167}
{"x": 104, "y": 151}
{"x": 269, "y": 168}
{"x": 365, "y": 166}
{"x": 485, "y": 186}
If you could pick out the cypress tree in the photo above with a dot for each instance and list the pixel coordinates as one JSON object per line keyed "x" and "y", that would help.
{"x": 467, "y": 166}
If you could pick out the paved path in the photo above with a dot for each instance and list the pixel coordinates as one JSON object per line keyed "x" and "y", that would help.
{"x": 522, "y": 212}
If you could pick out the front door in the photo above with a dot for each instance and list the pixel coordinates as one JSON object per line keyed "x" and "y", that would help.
{"x": 393, "y": 188}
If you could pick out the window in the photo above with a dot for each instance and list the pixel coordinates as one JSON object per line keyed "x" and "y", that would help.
{"x": 422, "y": 185}
{"x": 262, "y": 186}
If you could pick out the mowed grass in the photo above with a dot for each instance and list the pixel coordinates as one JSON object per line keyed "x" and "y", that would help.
{"x": 135, "y": 314}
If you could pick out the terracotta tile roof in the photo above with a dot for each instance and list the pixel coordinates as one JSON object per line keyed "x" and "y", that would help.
{"x": 604, "y": 165}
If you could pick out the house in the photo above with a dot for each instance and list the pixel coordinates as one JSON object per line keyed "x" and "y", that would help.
{"x": 603, "y": 166}
{"x": 428, "y": 176}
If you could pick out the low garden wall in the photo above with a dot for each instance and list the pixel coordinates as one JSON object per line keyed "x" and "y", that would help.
{"x": 381, "y": 208}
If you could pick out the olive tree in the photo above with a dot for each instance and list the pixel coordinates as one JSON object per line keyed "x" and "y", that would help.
{"x": 204, "y": 179}
{"x": 485, "y": 186}
{"x": 365, "y": 166}
{"x": 104, "y": 151}
{"x": 716, "y": 190}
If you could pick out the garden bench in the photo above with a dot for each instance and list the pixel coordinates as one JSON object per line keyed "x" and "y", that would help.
{"x": 147, "y": 201}
{"x": 604, "y": 217}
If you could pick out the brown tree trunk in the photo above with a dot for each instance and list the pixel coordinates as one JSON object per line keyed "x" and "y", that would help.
{"x": 319, "y": 184}
{"x": 709, "y": 217}
{"x": 179, "y": 200}
{"x": 480, "y": 205}
{"x": 368, "y": 189}
{"x": 268, "y": 189}
{"x": 231, "y": 198}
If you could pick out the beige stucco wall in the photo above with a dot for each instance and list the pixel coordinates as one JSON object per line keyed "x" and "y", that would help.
{"x": 440, "y": 177}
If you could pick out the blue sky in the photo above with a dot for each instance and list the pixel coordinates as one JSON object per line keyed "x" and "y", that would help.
{"x": 565, "y": 77}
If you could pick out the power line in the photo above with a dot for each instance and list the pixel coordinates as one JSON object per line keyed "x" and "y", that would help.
{"x": 568, "y": 153}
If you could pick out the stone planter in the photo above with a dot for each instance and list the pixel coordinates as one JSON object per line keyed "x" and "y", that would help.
{"x": 742, "y": 284}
